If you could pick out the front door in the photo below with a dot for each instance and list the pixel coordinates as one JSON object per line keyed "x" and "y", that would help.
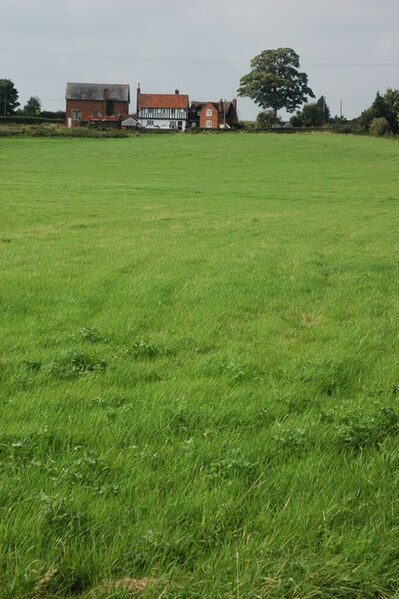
{"x": 180, "y": 125}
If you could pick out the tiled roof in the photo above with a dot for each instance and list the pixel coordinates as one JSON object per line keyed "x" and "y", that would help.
{"x": 196, "y": 104}
{"x": 162, "y": 101}
{"x": 95, "y": 91}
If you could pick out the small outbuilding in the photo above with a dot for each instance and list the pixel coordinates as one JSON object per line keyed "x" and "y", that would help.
{"x": 130, "y": 123}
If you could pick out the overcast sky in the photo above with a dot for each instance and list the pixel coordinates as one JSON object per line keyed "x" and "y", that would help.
{"x": 348, "y": 48}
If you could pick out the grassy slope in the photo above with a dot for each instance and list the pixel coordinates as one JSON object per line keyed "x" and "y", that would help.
{"x": 199, "y": 375}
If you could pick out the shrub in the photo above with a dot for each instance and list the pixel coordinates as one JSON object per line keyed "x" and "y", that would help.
{"x": 380, "y": 127}
{"x": 266, "y": 120}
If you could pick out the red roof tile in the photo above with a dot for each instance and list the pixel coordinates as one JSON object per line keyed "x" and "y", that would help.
{"x": 163, "y": 101}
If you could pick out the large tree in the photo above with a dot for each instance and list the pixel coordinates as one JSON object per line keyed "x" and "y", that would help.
{"x": 275, "y": 82}
{"x": 8, "y": 97}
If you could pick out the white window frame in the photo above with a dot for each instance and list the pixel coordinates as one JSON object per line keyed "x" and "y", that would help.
{"x": 208, "y": 124}
{"x": 150, "y": 123}
{"x": 209, "y": 112}
{"x": 76, "y": 115}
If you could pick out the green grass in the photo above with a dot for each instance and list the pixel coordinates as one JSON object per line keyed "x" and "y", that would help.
{"x": 199, "y": 367}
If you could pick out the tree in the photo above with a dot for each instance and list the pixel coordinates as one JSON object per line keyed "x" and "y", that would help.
{"x": 8, "y": 97}
{"x": 315, "y": 114}
{"x": 386, "y": 106}
{"x": 275, "y": 81}
{"x": 33, "y": 106}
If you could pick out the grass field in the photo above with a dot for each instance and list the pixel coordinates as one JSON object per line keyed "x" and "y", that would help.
{"x": 199, "y": 367}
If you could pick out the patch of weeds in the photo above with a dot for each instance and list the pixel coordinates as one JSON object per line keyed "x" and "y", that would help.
{"x": 259, "y": 420}
{"x": 113, "y": 405}
{"x": 234, "y": 371}
{"x": 145, "y": 350}
{"x": 152, "y": 377}
{"x": 360, "y": 430}
{"x": 291, "y": 439}
{"x": 73, "y": 364}
{"x": 33, "y": 365}
{"x": 326, "y": 376}
{"x": 93, "y": 335}
{"x": 5, "y": 239}
{"x": 146, "y": 375}
{"x": 65, "y": 579}
{"x": 21, "y": 449}
{"x": 61, "y": 516}
{"x": 183, "y": 421}
{"x": 126, "y": 584}
{"x": 192, "y": 345}
{"x": 85, "y": 468}
{"x": 232, "y": 465}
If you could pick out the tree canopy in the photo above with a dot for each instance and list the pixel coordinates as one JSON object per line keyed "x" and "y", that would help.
{"x": 275, "y": 81}
{"x": 384, "y": 106}
{"x": 33, "y": 106}
{"x": 8, "y": 97}
{"x": 314, "y": 114}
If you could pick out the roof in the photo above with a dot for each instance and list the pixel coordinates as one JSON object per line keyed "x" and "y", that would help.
{"x": 95, "y": 91}
{"x": 129, "y": 122}
{"x": 162, "y": 101}
{"x": 196, "y": 104}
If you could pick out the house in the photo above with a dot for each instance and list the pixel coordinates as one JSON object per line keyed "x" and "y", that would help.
{"x": 162, "y": 111}
{"x": 213, "y": 115}
{"x": 90, "y": 102}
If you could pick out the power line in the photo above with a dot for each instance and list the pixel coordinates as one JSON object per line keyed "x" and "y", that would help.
{"x": 194, "y": 60}
{"x": 110, "y": 57}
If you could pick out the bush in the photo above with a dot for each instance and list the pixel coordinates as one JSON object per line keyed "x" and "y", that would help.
{"x": 28, "y": 120}
{"x": 266, "y": 120}
{"x": 379, "y": 127}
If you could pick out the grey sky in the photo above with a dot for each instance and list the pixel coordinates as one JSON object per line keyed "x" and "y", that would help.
{"x": 202, "y": 48}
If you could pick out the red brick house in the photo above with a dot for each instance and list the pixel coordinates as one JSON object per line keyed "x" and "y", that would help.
{"x": 214, "y": 115}
{"x": 88, "y": 102}
{"x": 162, "y": 111}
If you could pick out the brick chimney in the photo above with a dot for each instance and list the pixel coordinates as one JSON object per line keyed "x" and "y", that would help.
{"x": 176, "y": 92}
{"x": 138, "y": 98}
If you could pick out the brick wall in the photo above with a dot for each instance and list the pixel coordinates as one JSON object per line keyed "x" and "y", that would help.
{"x": 87, "y": 107}
{"x": 213, "y": 118}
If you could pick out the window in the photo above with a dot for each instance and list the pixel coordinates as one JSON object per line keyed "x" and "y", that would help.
{"x": 172, "y": 111}
{"x": 208, "y": 124}
{"x": 95, "y": 113}
{"x": 209, "y": 112}
{"x": 150, "y": 123}
{"x": 172, "y": 125}
{"x": 76, "y": 114}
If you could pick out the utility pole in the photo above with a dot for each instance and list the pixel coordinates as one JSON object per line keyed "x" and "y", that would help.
{"x": 340, "y": 109}
{"x": 5, "y": 104}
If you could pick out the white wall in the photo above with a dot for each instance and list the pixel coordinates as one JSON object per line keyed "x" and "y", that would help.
{"x": 161, "y": 124}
